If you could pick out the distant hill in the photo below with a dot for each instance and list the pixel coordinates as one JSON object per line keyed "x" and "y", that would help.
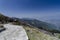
{"x": 30, "y": 22}
{"x": 54, "y": 21}
{"x": 41, "y": 25}
{"x": 5, "y": 19}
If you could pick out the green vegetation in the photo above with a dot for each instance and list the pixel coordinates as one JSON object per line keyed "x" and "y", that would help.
{"x": 31, "y": 22}
{"x": 1, "y": 26}
{"x": 35, "y": 34}
{"x": 42, "y": 25}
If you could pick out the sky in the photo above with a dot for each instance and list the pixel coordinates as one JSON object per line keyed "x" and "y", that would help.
{"x": 41, "y": 9}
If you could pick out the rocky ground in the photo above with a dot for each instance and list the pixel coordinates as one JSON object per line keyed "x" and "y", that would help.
{"x": 13, "y": 32}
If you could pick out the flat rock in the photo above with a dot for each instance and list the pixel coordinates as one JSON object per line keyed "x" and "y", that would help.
{"x": 13, "y": 32}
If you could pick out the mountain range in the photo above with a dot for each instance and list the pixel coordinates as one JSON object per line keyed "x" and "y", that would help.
{"x": 30, "y": 22}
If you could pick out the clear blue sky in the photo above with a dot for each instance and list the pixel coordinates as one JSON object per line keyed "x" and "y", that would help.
{"x": 31, "y": 8}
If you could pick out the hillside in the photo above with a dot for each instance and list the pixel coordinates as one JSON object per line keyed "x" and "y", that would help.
{"x": 30, "y": 22}
{"x": 42, "y": 25}
{"x": 35, "y": 29}
{"x": 35, "y": 34}
{"x": 5, "y": 19}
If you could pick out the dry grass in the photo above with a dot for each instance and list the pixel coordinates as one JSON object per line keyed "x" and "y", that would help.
{"x": 35, "y": 34}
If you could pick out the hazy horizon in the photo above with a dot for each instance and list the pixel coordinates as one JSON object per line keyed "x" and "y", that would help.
{"x": 41, "y": 9}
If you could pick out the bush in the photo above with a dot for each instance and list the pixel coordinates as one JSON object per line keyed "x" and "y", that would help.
{"x": 1, "y": 26}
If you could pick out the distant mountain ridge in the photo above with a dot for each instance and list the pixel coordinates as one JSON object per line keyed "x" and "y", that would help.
{"x": 30, "y": 22}
{"x": 42, "y": 25}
